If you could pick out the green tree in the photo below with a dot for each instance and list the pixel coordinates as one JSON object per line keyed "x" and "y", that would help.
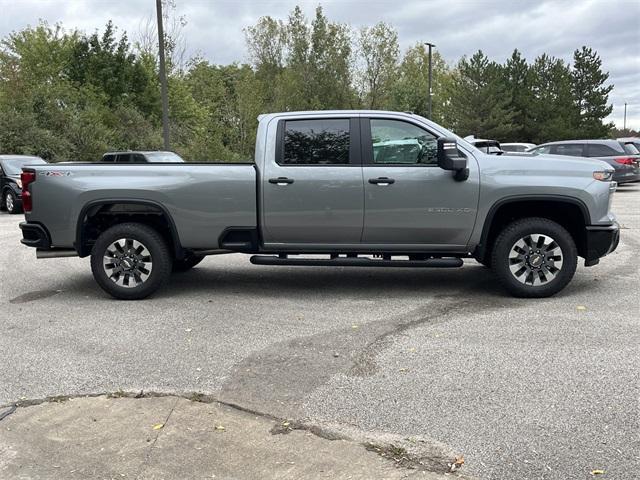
{"x": 551, "y": 110}
{"x": 379, "y": 50}
{"x": 409, "y": 92}
{"x": 516, "y": 79}
{"x": 590, "y": 94}
{"x": 478, "y": 102}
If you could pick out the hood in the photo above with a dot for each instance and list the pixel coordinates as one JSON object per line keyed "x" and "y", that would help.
{"x": 544, "y": 165}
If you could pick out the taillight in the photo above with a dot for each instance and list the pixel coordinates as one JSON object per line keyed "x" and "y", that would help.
{"x": 625, "y": 160}
{"x": 27, "y": 178}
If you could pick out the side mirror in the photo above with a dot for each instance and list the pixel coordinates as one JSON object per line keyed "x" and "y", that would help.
{"x": 450, "y": 159}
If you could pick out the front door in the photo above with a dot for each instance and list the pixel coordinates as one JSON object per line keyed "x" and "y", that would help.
{"x": 409, "y": 200}
{"x": 313, "y": 192}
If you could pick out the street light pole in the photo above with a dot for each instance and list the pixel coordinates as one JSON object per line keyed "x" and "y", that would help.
{"x": 163, "y": 78}
{"x": 624, "y": 125}
{"x": 430, "y": 93}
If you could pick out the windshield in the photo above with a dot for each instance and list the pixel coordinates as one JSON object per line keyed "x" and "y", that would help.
{"x": 163, "y": 157}
{"x": 13, "y": 166}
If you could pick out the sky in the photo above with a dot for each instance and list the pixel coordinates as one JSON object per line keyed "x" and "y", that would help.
{"x": 214, "y": 28}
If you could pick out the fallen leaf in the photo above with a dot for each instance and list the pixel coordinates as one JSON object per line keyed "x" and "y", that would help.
{"x": 581, "y": 308}
{"x": 412, "y": 350}
{"x": 188, "y": 330}
{"x": 457, "y": 463}
{"x": 158, "y": 426}
{"x": 597, "y": 472}
{"x": 220, "y": 428}
{"x": 355, "y": 326}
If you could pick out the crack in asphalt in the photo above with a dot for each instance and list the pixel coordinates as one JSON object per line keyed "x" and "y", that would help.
{"x": 159, "y": 432}
{"x": 365, "y": 363}
{"x": 428, "y": 459}
{"x": 7, "y": 412}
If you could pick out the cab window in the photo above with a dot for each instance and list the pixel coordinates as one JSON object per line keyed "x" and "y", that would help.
{"x": 316, "y": 142}
{"x": 395, "y": 142}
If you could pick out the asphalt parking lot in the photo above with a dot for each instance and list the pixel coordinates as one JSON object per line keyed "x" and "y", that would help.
{"x": 522, "y": 388}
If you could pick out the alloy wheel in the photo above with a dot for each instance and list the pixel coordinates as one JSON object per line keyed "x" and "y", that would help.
{"x": 535, "y": 259}
{"x": 127, "y": 262}
{"x": 8, "y": 201}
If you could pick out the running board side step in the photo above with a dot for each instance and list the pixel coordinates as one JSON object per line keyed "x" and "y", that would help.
{"x": 355, "y": 262}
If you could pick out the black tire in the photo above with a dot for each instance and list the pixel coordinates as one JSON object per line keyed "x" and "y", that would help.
{"x": 186, "y": 263}
{"x": 551, "y": 265}
{"x": 148, "y": 268}
{"x": 10, "y": 201}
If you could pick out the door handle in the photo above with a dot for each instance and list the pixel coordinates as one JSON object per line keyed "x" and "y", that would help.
{"x": 281, "y": 180}
{"x": 382, "y": 181}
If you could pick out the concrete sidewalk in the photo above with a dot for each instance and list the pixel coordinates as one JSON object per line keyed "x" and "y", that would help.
{"x": 168, "y": 437}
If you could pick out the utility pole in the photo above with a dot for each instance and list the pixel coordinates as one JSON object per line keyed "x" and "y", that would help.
{"x": 430, "y": 93}
{"x": 163, "y": 78}
{"x": 624, "y": 125}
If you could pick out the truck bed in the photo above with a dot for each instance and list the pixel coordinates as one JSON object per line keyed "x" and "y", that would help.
{"x": 202, "y": 198}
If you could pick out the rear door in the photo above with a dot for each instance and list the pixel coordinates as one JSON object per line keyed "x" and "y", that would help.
{"x": 409, "y": 200}
{"x": 313, "y": 191}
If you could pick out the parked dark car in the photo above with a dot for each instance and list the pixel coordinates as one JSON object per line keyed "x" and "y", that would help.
{"x": 141, "y": 157}
{"x": 10, "y": 184}
{"x": 624, "y": 158}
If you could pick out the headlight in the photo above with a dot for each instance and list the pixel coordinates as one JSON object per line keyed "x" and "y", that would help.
{"x": 603, "y": 175}
{"x": 19, "y": 182}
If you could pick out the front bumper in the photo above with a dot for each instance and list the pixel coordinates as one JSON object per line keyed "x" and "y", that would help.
{"x": 601, "y": 241}
{"x": 35, "y": 235}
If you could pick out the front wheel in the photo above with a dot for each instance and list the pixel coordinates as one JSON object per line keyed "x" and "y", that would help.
{"x": 11, "y": 202}
{"x": 534, "y": 257}
{"x": 130, "y": 261}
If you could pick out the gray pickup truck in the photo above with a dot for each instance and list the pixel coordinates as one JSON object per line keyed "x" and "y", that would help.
{"x": 330, "y": 188}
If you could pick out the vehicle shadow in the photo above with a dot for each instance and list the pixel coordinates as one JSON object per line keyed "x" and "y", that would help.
{"x": 210, "y": 280}
{"x": 332, "y": 282}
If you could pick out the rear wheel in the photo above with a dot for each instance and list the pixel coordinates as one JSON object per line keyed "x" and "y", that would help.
{"x": 534, "y": 257}
{"x": 130, "y": 261}
{"x": 186, "y": 263}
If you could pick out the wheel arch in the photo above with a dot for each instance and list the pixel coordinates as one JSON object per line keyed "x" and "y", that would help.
{"x": 122, "y": 210}
{"x": 569, "y": 212}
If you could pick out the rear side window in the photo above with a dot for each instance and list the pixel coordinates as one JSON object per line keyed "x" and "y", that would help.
{"x": 123, "y": 158}
{"x": 316, "y": 142}
{"x": 631, "y": 149}
{"x": 108, "y": 158}
{"x": 600, "y": 150}
{"x": 138, "y": 158}
{"x": 570, "y": 149}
